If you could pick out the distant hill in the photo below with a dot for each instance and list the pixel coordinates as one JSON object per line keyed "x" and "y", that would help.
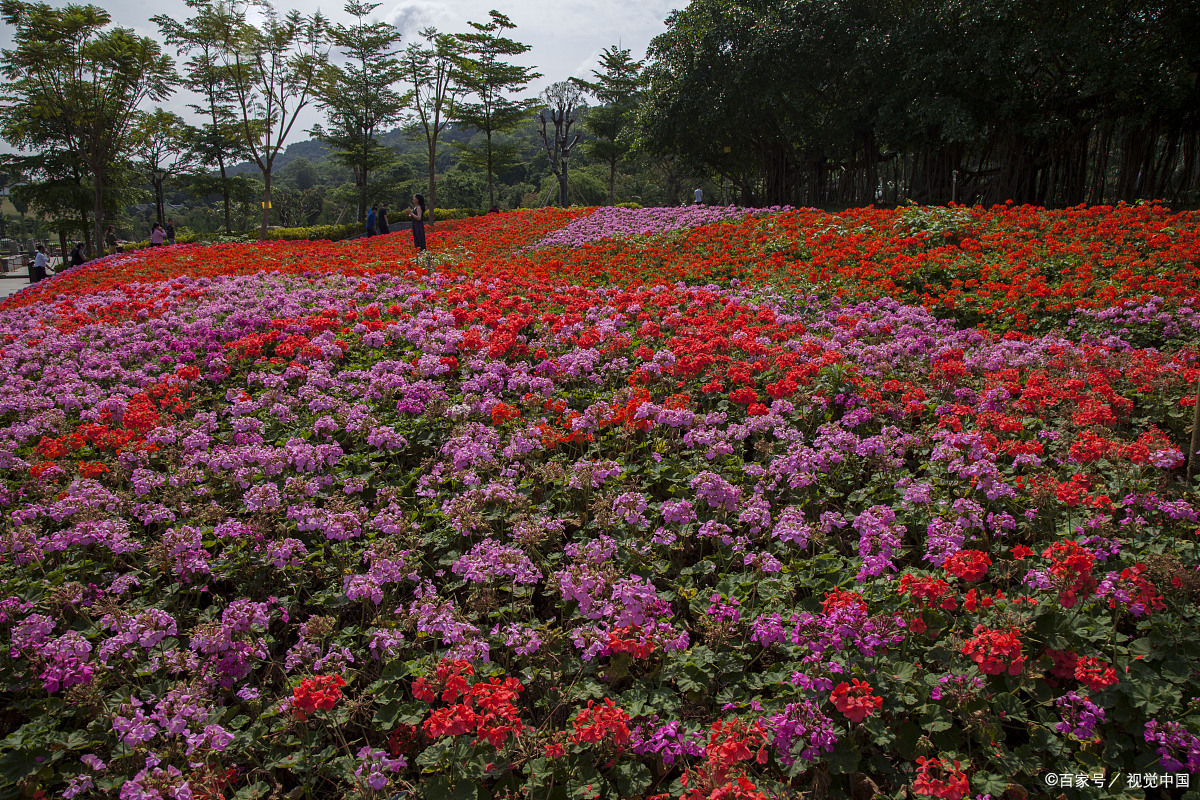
{"x": 314, "y": 149}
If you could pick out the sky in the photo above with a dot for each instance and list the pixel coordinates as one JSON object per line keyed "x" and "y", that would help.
{"x": 566, "y": 36}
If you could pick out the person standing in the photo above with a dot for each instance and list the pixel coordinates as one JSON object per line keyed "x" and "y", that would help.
{"x": 699, "y": 197}
{"x": 171, "y": 231}
{"x": 382, "y": 221}
{"x": 417, "y": 215}
{"x": 77, "y": 255}
{"x": 157, "y": 234}
{"x": 37, "y": 270}
{"x": 371, "y": 221}
{"x": 110, "y": 238}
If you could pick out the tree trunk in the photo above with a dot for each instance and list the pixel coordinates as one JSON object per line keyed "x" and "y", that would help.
{"x": 612, "y": 181}
{"x": 98, "y": 204}
{"x": 225, "y": 196}
{"x": 491, "y": 186}
{"x": 360, "y": 177}
{"x": 266, "y": 204}
{"x": 562, "y": 182}
{"x": 432, "y": 176}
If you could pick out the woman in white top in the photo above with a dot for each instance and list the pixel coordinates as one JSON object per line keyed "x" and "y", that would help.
{"x": 38, "y": 271}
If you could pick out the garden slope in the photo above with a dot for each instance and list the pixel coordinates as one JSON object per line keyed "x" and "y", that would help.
{"x": 738, "y": 509}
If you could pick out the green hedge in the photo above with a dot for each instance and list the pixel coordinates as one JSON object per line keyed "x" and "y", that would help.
{"x": 314, "y": 232}
{"x": 456, "y": 213}
{"x": 310, "y": 233}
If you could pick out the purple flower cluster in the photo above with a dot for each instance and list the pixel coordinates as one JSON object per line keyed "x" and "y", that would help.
{"x": 801, "y": 732}
{"x": 668, "y": 741}
{"x": 1178, "y": 748}
{"x": 489, "y": 560}
{"x": 1079, "y": 717}
{"x": 374, "y": 766}
{"x": 611, "y": 222}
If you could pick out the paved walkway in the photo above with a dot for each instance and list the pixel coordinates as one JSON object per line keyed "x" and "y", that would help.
{"x": 13, "y": 282}
{"x": 10, "y": 286}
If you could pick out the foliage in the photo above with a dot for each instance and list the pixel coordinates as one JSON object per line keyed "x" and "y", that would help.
{"x": 73, "y": 84}
{"x": 201, "y": 39}
{"x": 273, "y": 72}
{"x": 162, "y": 144}
{"x": 456, "y": 213}
{"x": 618, "y": 88}
{"x": 486, "y": 77}
{"x": 432, "y": 69}
{"x": 563, "y": 103}
{"x": 859, "y": 102}
{"x": 359, "y": 97}
{"x": 721, "y": 512}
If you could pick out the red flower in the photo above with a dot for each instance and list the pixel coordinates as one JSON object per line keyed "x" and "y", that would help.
{"x": 969, "y": 565}
{"x": 320, "y": 692}
{"x": 1095, "y": 673}
{"x": 855, "y": 701}
{"x": 1020, "y": 552}
{"x": 503, "y": 412}
{"x": 1144, "y": 598}
{"x": 1071, "y": 565}
{"x": 996, "y": 651}
{"x": 840, "y": 598}
{"x": 927, "y": 592}
{"x": 744, "y": 395}
{"x": 599, "y": 723}
{"x": 937, "y": 779}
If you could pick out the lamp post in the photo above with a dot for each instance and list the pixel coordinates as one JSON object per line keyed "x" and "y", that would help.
{"x": 159, "y": 176}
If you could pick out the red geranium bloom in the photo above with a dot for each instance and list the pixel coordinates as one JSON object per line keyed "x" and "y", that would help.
{"x": 856, "y": 700}
{"x": 969, "y": 565}
{"x": 1095, "y": 673}
{"x": 996, "y": 651}
{"x": 936, "y": 778}
{"x": 320, "y": 692}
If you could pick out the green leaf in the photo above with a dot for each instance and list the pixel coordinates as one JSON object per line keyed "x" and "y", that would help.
{"x": 633, "y": 778}
{"x": 444, "y": 787}
{"x": 844, "y": 759}
{"x": 253, "y": 791}
{"x": 989, "y": 783}
{"x": 907, "y": 736}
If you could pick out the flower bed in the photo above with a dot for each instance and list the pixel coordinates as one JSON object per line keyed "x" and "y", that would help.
{"x": 312, "y": 520}
{"x": 615, "y": 222}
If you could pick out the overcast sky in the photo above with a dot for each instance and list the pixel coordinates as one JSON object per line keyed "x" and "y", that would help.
{"x": 566, "y": 36}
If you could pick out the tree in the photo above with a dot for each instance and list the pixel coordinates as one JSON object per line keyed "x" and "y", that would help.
{"x": 164, "y": 145}
{"x": 74, "y": 85}
{"x": 219, "y": 142}
{"x": 432, "y": 70}
{"x": 563, "y": 101}
{"x": 618, "y": 88}
{"x": 358, "y": 96}
{"x": 486, "y": 77}
{"x": 273, "y": 73}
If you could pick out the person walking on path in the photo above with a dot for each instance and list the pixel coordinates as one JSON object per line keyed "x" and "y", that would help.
{"x": 171, "y": 231}
{"x": 417, "y": 215}
{"x": 371, "y": 221}
{"x": 382, "y": 221}
{"x": 157, "y": 235}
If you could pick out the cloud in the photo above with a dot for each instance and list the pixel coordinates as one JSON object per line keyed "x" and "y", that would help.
{"x": 411, "y": 18}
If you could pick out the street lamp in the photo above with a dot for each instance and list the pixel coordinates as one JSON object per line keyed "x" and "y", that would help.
{"x": 159, "y": 176}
